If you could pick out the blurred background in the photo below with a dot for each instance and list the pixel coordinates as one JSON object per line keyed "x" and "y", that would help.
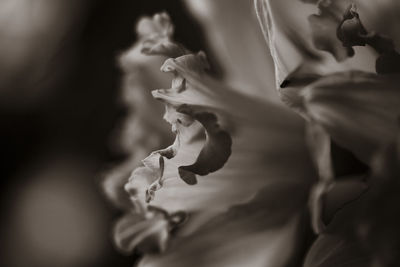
{"x": 59, "y": 108}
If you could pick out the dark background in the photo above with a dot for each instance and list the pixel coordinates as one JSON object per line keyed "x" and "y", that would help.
{"x": 80, "y": 110}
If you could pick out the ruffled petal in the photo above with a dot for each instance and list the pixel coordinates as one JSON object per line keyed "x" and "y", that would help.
{"x": 352, "y": 33}
{"x": 359, "y": 110}
{"x": 262, "y": 146}
{"x": 156, "y": 34}
{"x": 143, "y": 129}
{"x": 235, "y": 144}
{"x": 259, "y": 143}
{"x": 297, "y": 61}
{"x": 217, "y": 147}
{"x": 325, "y": 29}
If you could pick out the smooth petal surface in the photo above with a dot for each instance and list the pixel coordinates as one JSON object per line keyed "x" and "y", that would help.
{"x": 359, "y": 110}
{"x": 236, "y": 41}
{"x": 259, "y": 233}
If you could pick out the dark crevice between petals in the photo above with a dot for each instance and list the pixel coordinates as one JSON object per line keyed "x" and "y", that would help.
{"x": 351, "y": 32}
{"x": 217, "y": 147}
{"x": 342, "y": 178}
{"x": 215, "y": 151}
{"x": 377, "y": 220}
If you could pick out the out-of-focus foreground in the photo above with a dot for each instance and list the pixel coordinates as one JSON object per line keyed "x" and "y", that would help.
{"x": 59, "y": 110}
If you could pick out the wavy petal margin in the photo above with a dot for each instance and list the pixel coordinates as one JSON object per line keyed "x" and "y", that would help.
{"x": 352, "y": 33}
{"x": 156, "y": 35}
{"x": 150, "y": 226}
{"x": 289, "y": 36}
{"x": 215, "y": 152}
{"x": 325, "y": 27}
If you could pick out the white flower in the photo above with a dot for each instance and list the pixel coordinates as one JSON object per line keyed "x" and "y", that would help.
{"x": 231, "y": 190}
{"x": 220, "y": 191}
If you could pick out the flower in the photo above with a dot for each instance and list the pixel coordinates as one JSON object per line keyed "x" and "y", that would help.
{"x": 233, "y": 187}
{"x": 224, "y": 177}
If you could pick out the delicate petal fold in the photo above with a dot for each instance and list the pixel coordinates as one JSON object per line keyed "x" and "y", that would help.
{"x": 284, "y": 42}
{"x": 259, "y": 141}
{"x": 325, "y": 29}
{"x": 289, "y": 37}
{"x": 237, "y": 145}
{"x": 217, "y": 147}
{"x": 352, "y": 33}
{"x": 359, "y": 110}
{"x": 365, "y": 232}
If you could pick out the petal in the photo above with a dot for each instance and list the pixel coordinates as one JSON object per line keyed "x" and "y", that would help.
{"x": 236, "y": 41}
{"x": 278, "y": 27}
{"x": 359, "y": 110}
{"x": 289, "y": 37}
{"x": 352, "y": 33}
{"x": 143, "y": 129}
{"x": 337, "y": 245}
{"x": 363, "y": 233}
{"x": 217, "y": 146}
{"x": 333, "y": 250}
{"x": 134, "y": 230}
{"x": 266, "y": 138}
{"x": 156, "y": 36}
{"x": 259, "y": 233}
{"x": 235, "y": 151}
{"x": 325, "y": 27}
{"x": 335, "y": 188}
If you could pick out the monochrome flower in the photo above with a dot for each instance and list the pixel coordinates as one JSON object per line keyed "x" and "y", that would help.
{"x": 227, "y": 166}
{"x": 233, "y": 187}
